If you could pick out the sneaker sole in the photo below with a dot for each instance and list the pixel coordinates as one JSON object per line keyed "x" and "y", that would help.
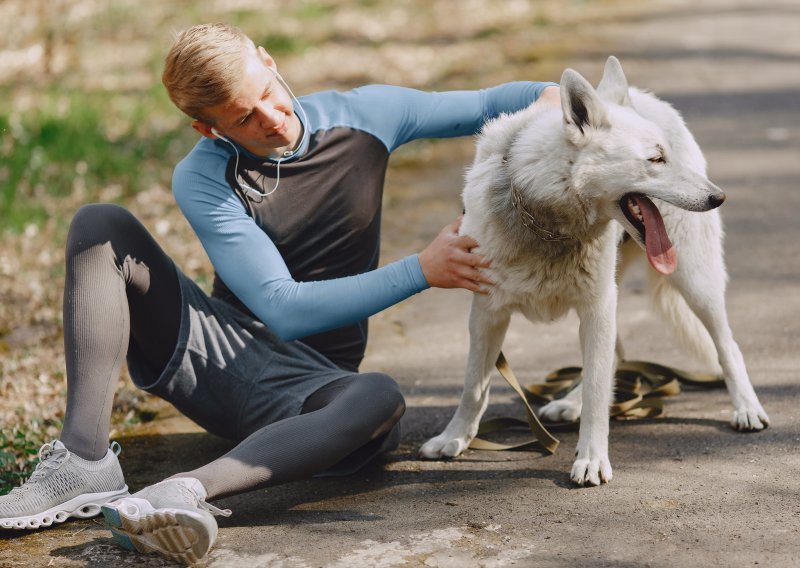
{"x": 83, "y": 507}
{"x": 175, "y": 534}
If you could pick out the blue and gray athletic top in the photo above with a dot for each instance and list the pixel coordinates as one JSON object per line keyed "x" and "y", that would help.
{"x": 304, "y": 259}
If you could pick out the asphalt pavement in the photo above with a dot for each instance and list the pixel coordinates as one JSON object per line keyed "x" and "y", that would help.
{"x": 687, "y": 489}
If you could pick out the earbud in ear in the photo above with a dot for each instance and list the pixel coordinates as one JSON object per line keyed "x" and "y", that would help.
{"x": 216, "y": 133}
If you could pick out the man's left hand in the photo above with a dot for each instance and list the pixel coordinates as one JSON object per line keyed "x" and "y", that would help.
{"x": 448, "y": 262}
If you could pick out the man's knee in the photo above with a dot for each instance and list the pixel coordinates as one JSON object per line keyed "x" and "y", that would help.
{"x": 101, "y": 215}
{"x": 384, "y": 393}
{"x": 99, "y": 223}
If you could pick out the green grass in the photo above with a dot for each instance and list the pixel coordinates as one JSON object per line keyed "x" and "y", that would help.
{"x": 83, "y": 142}
{"x": 20, "y": 451}
{"x": 20, "y": 443}
{"x": 314, "y": 10}
{"x": 282, "y": 45}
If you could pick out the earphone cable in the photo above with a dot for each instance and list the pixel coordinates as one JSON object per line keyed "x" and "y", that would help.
{"x": 285, "y": 155}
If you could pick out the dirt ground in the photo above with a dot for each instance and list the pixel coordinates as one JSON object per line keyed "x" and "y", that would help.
{"x": 687, "y": 490}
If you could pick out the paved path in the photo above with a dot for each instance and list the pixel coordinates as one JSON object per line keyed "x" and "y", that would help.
{"x": 687, "y": 490}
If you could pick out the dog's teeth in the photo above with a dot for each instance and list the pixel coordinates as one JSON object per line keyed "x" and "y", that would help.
{"x": 634, "y": 208}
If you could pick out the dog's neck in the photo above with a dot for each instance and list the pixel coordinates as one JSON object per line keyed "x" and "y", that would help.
{"x": 529, "y": 220}
{"x": 554, "y": 213}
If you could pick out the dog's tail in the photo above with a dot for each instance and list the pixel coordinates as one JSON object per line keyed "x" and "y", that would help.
{"x": 686, "y": 326}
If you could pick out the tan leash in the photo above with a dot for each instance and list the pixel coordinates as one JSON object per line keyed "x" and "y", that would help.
{"x": 640, "y": 388}
{"x": 542, "y": 437}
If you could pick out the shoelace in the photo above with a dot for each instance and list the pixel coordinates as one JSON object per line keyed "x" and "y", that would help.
{"x": 50, "y": 458}
{"x": 216, "y": 511}
{"x": 201, "y": 503}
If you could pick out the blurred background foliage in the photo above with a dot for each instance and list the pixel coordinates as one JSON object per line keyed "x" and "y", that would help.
{"x": 82, "y": 109}
{"x": 83, "y": 118}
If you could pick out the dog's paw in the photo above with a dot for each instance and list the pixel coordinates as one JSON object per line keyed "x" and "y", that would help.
{"x": 591, "y": 471}
{"x": 562, "y": 410}
{"x": 443, "y": 447}
{"x": 749, "y": 417}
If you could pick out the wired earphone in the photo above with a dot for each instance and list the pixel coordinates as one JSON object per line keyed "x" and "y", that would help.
{"x": 285, "y": 155}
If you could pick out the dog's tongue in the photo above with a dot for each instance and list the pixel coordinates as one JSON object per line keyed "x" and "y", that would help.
{"x": 660, "y": 251}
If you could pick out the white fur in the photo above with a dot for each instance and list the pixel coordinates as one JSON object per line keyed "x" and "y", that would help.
{"x": 572, "y": 166}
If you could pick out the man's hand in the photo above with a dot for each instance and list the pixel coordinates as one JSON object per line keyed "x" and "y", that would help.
{"x": 448, "y": 263}
{"x": 550, "y": 96}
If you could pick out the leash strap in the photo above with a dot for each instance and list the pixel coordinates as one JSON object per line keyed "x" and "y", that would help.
{"x": 542, "y": 438}
{"x": 648, "y": 369}
{"x": 640, "y": 388}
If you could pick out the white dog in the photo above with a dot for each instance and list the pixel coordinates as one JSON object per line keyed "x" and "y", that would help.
{"x": 541, "y": 198}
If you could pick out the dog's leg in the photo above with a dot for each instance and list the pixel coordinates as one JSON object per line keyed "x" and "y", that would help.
{"x": 565, "y": 409}
{"x": 704, "y": 291}
{"x": 568, "y": 408}
{"x": 628, "y": 255}
{"x": 487, "y": 329}
{"x": 598, "y": 332}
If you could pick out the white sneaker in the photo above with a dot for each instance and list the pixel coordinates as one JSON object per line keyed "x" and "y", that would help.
{"x": 63, "y": 485}
{"x": 170, "y": 518}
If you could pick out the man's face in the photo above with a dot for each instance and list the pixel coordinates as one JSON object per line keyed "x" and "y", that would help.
{"x": 261, "y": 116}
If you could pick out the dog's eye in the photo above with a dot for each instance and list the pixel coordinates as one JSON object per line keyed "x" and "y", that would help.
{"x": 658, "y": 157}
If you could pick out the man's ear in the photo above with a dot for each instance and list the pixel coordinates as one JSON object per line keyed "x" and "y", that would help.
{"x": 267, "y": 58}
{"x": 583, "y": 110}
{"x": 204, "y": 129}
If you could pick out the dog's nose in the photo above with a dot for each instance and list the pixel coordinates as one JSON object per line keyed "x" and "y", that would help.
{"x": 716, "y": 199}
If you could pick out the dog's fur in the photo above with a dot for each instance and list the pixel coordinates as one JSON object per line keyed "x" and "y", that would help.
{"x": 575, "y": 171}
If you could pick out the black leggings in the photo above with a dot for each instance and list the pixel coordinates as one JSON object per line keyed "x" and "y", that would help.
{"x": 122, "y": 289}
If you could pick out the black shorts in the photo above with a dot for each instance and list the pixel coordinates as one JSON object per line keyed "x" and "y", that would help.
{"x": 229, "y": 373}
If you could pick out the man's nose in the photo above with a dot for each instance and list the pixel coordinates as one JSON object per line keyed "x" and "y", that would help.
{"x": 268, "y": 115}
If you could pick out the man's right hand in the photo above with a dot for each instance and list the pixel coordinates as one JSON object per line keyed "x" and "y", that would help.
{"x": 448, "y": 262}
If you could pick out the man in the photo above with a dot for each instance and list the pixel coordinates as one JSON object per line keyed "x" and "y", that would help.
{"x": 285, "y": 195}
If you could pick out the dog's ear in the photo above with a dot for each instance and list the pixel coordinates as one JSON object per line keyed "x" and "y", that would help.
{"x": 613, "y": 86}
{"x": 582, "y": 107}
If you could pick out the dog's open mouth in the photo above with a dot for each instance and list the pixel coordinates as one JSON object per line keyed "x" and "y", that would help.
{"x": 645, "y": 217}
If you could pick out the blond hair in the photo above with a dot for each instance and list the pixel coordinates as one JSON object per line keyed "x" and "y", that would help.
{"x": 204, "y": 67}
